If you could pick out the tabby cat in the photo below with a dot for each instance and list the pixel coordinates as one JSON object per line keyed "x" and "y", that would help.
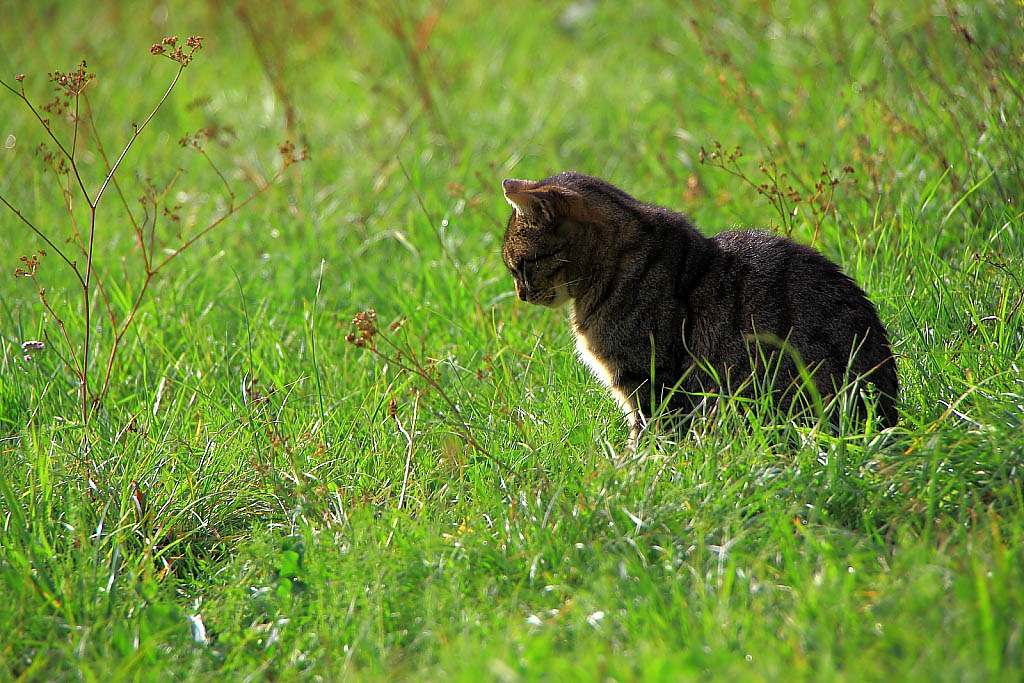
{"x": 665, "y": 316}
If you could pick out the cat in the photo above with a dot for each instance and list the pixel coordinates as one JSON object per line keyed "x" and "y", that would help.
{"x": 665, "y": 316}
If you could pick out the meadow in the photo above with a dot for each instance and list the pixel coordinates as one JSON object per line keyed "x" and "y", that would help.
{"x": 321, "y": 438}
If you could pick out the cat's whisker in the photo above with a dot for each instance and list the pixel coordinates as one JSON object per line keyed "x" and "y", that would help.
{"x": 579, "y": 279}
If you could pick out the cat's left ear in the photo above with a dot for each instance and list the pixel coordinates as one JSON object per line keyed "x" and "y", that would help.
{"x": 529, "y": 198}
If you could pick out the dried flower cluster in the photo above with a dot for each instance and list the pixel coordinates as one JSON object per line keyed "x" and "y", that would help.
{"x": 71, "y": 83}
{"x": 68, "y": 85}
{"x": 777, "y": 188}
{"x": 172, "y": 213}
{"x": 291, "y": 156}
{"x": 196, "y": 140}
{"x": 29, "y": 264}
{"x": 78, "y": 342}
{"x": 718, "y": 155}
{"x": 168, "y": 47}
{"x": 366, "y": 326}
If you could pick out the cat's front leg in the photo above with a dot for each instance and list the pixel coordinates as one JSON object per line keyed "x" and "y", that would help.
{"x": 627, "y": 394}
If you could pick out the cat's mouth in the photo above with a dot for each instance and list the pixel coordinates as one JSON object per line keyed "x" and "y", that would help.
{"x": 552, "y": 297}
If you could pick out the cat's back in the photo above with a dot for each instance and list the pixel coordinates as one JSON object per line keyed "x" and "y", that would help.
{"x": 766, "y": 251}
{"x": 779, "y": 268}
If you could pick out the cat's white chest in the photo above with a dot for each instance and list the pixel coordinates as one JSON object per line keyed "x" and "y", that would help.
{"x": 602, "y": 371}
{"x": 586, "y": 355}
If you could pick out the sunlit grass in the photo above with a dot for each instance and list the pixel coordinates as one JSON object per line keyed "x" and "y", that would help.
{"x": 246, "y": 509}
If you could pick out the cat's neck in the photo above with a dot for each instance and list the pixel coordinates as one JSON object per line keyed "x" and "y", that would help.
{"x": 613, "y": 268}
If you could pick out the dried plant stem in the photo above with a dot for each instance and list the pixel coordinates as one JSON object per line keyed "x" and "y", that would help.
{"x": 43, "y": 237}
{"x": 20, "y": 93}
{"x": 106, "y": 160}
{"x": 152, "y": 271}
{"x": 73, "y": 85}
{"x": 93, "y": 204}
{"x": 231, "y": 193}
{"x": 190, "y": 241}
{"x": 137, "y": 131}
{"x": 60, "y": 325}
{"x": 423, "y": 373}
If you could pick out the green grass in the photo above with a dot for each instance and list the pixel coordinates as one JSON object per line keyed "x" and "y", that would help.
{"x": 316, "y": 532}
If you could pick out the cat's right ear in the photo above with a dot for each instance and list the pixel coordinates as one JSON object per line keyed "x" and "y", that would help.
{"x": 517, "y": 196}
{"x": 533, "y": 199}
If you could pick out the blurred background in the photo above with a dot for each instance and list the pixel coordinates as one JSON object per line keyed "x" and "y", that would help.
{"x": 463, "y": 93}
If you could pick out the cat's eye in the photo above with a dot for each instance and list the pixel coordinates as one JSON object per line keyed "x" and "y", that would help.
{"x": 541, "y": 257}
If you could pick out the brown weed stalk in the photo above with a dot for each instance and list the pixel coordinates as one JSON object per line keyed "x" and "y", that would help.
{"x": 780, "y": 193}
{"x": 367, "y": 335}
{"x": 413, "y": 35}
{"x": 71, "y": 105}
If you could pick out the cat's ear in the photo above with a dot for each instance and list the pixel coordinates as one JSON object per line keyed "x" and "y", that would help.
{"x": 519, "y": 196}
{"x": 532, "y": 199}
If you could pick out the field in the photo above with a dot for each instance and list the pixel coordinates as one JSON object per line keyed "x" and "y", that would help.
{"x": 254, "y": 486}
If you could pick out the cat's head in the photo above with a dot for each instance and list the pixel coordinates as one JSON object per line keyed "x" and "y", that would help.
{"x": 538, "y": 239}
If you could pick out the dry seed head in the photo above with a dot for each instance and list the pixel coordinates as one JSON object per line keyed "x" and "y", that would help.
{"x": 366, "y": 325}
{"x": 168, "y": 47}
{"x": 290, "y": 156}
{"x": 196, "y": 140}
{"x": 72, "y": 83}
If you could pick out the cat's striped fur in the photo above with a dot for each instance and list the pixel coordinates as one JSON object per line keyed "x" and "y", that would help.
{"x": 707, "y": 314}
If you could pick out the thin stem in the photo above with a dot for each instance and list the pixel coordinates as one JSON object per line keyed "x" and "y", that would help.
{"x": 93, "y": 204}
{"x": 187, "y": 243}
{"x": 43, "y": 237}
{"x": 53, "y": 347}
{"x": 21, "y": 94}
{"x": 74, "y": 135}
{"x": 430, "y": 220}
{"x": 312, "y": 345}
{"x": 115, "y": 345}
{"x": 88, "y": 322}
{"x": 409, "y": 437}
{"x": 77, "y": 241}
{"x": 418, "y": 370}
{"x": 151, "y": 271}
{"x": 135, "y": 134}
{"x": 60, "y": 324}
{"x": 106, "y": 162}
{"x": 219, "y": 175}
